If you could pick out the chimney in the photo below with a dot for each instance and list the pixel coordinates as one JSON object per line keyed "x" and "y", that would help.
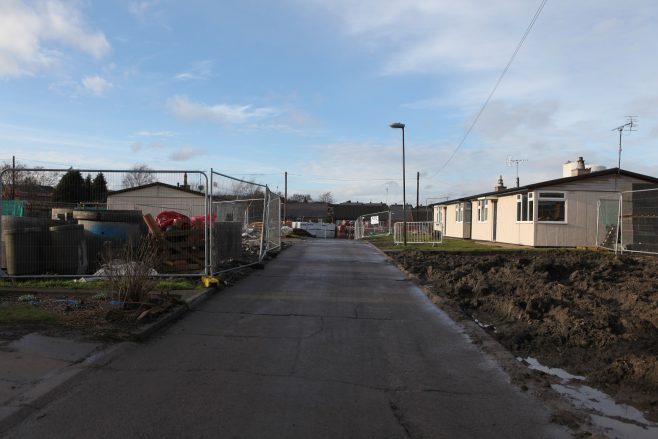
{"x": 580, "y": 168}
{"x": 500, "y": 186}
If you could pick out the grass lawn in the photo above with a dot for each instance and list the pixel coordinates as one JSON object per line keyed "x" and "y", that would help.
{"x": 25, "y": 314}
{"x": 450, "y": 245}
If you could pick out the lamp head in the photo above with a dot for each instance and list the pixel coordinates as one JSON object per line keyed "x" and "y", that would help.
{"x": 397, "y": 125}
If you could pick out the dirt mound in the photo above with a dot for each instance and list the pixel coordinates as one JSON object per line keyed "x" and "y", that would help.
{"x": 590, "y": 313}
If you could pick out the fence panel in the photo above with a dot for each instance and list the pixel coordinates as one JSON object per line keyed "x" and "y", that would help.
{"x": 638, "y": 229}
{"x": 273, "y": 221}
{"x": 373, "y": 224}
{"x": 418, "y": 232}
{"x": 92, "y": 218}
{"x": 607, "y": 226}
{"x": 239, "y": 212}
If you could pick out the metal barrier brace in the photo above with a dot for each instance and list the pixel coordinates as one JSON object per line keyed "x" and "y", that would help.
{"x": 418, "y": 232}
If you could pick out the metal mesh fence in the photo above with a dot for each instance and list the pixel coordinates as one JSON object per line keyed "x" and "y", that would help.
{"x": 607, "y": 224}
{"x": 373, "y": 224}
{"x": 89, "y": 218}
{"x": 418, "y": 232}
{"x": 239, "y": 212}
{"x": 638, "y": 227}
{"x": 273, "y": 221}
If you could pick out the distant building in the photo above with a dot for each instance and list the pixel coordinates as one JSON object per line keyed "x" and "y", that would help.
{"x": 349, "y": 211}
{"x": 307, "y": 212}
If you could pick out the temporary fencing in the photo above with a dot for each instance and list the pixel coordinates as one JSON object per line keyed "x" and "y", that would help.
{"x": 638, "y": 221}
{"x": 92, "y": 218}
{"x": 630, "y": 223}
{"x": 245, "y": 222}
{"x": 373, "y": 224}
{"x": 273, "y": 229}
{"x": 418, "y": 232}
{"x": 607, "y": 226}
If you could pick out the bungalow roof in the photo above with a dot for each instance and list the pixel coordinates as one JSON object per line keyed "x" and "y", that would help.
{"x": 554, "y": 182}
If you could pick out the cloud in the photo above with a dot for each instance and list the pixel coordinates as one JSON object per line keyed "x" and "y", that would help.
{"x": 425, "y": 36}
{"x": 139, "y": 146}
{"x": 186, "y": 152}
{"x": 184, "y": 108}
{"x": 198, "y": 71}
{"x": 155, "y": 133}
{"x": 33, "y": 32}
{"x": 96, "y": 85}
{"x": 148, "y": 13}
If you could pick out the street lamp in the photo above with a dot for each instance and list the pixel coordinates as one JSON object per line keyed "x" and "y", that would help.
{"x": 404, "y": 186}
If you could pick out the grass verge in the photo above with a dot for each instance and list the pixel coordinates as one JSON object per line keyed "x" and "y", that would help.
{"x": 162, "y": 285}
{"x": 25, "y": 314}
{"x": 450, "y": 245}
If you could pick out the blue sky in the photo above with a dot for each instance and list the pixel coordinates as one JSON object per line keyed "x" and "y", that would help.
{"x": 255, "y": 88}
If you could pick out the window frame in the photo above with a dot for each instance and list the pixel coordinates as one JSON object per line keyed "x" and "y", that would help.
{"x": 459, "y": 213}
{"x": 563, "y": 199}
{"x": 526, "y": 202}
{"x": 482, "y": 210}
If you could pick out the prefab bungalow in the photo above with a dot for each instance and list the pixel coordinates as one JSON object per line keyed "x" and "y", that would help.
{"x": 155, "y": 197}
{"x": 555, "y": 213}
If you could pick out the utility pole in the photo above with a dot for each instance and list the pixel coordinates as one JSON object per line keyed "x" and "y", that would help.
{"x": 417, "y": 193}
{"x": 285, "y": 198}
{"x": 13, "y": 177}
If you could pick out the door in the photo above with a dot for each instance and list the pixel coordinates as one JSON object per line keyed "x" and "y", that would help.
{"x": 495, "y": 219}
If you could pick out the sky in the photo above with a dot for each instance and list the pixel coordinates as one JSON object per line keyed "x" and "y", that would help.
{"x": 257, "y": 88}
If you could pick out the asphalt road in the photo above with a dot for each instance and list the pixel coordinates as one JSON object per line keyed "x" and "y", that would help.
{"x": 329, "y": 341}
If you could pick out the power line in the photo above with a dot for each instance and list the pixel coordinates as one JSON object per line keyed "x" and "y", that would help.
{"x": 500, "y": 79}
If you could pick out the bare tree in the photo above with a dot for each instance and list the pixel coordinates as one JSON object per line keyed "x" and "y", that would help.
{"x": 327, "y": 197}
{"x": 28, "y": 180}
{"x": 300, "y": 198}
{"x": 142, "y": 175}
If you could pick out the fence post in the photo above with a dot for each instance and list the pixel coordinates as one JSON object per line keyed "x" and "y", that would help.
{"x": 261, "y": 255}
{"x": 2, "y": 174}
{"x": 210, "y": 220}
{"x": 619, "y": 235}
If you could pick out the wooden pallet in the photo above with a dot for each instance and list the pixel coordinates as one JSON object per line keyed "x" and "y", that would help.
{"x": 181, "y": 250}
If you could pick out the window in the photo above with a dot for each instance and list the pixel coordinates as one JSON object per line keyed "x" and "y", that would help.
{"x": 525, "y": 206}
{"x": 552, "y": 207}
{"x": 483, "y": 207}
{"x": 438, "y": 215}
{"x": 531, "y": 206}
{"x": 467, "y": 212}
{"x": 459, "y": 212}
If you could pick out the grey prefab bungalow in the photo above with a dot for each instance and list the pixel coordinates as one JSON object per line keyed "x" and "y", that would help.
{"x": 555, "y": 213}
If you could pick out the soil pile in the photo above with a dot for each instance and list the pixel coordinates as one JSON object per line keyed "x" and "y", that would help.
{"x": 590, "y": 313}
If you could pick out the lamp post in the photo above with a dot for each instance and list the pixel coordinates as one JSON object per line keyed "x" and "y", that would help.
{"x": 404, "y": 186}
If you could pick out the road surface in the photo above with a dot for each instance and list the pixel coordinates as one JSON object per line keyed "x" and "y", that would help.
{"x": 329, "y": 341}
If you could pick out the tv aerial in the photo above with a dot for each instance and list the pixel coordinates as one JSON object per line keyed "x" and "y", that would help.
{"x": 630, "y": 126}
{"x": 511, "y": 162}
